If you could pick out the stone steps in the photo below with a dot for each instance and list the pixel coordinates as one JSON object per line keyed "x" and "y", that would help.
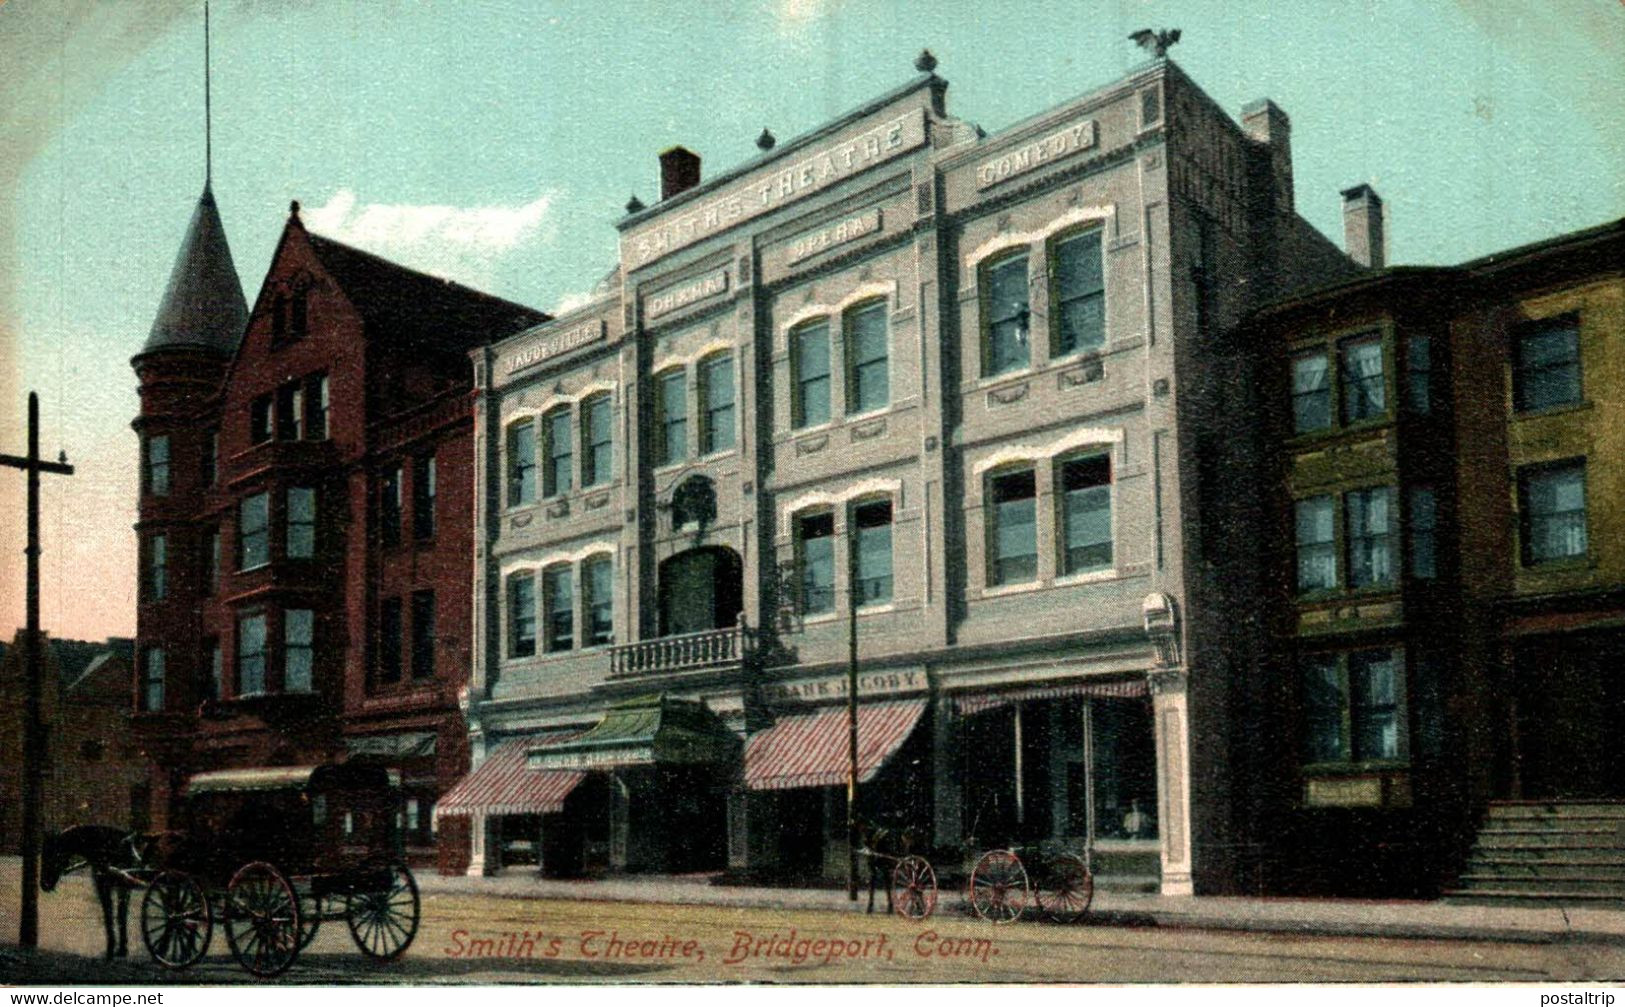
{"x": 1547, "y": 853}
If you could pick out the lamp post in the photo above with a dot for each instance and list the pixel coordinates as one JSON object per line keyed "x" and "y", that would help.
{"x": 852, "y": 595}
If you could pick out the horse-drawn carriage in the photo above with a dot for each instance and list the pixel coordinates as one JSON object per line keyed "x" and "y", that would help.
{"x": 270, "y": 855}
{"x": 999, "y": 884}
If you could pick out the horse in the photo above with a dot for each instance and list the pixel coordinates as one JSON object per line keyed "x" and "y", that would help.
{"x": 110, "y": 854}
{"x": 882, "y": 848}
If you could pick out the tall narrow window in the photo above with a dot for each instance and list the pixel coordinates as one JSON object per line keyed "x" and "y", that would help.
{"x": 301, "y": 522}
{"x": 316, "y": 393}
{"x": 557, "y": 445}
{"x": 1014, "y": 535}
{"x": 597, "y": 440}
{"x": 872, "y": 544}
{"x": 521, "y": 463}
{"x": 1376, "y": 729}
{"x": 152, "y": 680}
{"x": 157, "y": 567}
{"x": 423, "y": 634}
{"x": 671, "y": 397}
{"x": 290, "y": 413}
{"x": 1322, "y": 708}
{"x": 1086, "y": 513}
{"x": 1317, "y": 544}
{"x": 209, "y": 460}
{"x": 211, "y": 574}
{"x": 1553, "y": 511}
{"x": 259, "y": 419}
{"x": 598, "y": 586}
{"x": 1419, "y": 373}
{"x": 1311, "y": 393}
{"x": 389, "y": 505}
{"x": 815, "y": 543}
{"x": 1547, "y": 370}
{"x": 1365, "y": 389}
{"x": 425, "y": 490}
{"x": 298, "y": 649}
{"x": 1080, "y": 293}
{"x": 559, "y": 601}
{"x": 716, "y": 403}
{"x": 251, "y": 655}
{"x": 868, "y": 376}
{"x": 810, "y": 352}
{"x": 1422, "y": 520}
{"x": 158, "y": 465}
{"x": 390, "y": 617}
{"x": 1008, "y": 318}
{"x": 521, "y": 615}
{"x": 254, "y": 531}
{"x": 1370, "y": 516}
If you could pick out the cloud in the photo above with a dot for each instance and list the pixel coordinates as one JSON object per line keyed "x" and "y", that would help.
{"x": 463, "y": 243}
{"x": 793, "y": 15}
{"x": 573, "y": 300}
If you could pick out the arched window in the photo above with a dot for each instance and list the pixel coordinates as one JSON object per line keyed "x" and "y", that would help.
{"x": 1006, "y": 345}
{"x": 868, "y": 378}
{"x": 1084, "y": 485}
{"x": 597, "y": 440}
{"x": 671, "y": 402}
{"x": 521, "y": 614}
{"x": 1012, "y": 526}
{"x": 598, "y": 600}
{"x": 815, "y": 561}
{"x": 716, "y": 403}
{"x": 521, "y": 462}
{"x": 558, "y": 604}
{"x": 559, "y": 451}
{"x": 1078, "y": 293}
{"x": 809, "y": 358}
{"x": 871, "y": 524}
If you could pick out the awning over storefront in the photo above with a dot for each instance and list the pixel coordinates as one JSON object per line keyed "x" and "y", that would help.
{"x": 410, "y": 745}
{"x": 643, "y": 732}
{"x": 504, "y": 784}
{"x": 980, "y": 702}
{"x": 810, "y": 749}
{"x": 222, "y": 781}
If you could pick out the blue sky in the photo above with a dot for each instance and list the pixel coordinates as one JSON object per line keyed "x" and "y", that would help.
{"x": 495, "y": 142}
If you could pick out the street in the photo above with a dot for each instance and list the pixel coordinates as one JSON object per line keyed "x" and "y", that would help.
{"x": 488, "y": 938}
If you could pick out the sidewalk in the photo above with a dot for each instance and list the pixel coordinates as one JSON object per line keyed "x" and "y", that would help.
{"x": 1319, "y": 917}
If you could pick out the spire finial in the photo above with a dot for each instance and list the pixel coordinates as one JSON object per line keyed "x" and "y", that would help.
{"x": 208, "y": 140}
{"x": 766, "y": 140}
{"x": 925, "y": 62}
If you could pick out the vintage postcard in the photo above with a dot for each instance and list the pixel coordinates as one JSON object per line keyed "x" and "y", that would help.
{"x": 513, "y": 492}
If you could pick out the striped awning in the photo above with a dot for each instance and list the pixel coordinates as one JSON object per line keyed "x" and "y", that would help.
{"x": 810, "y": 749}
{"x": 981, "y": 702}
{"x": 504, "y": 784}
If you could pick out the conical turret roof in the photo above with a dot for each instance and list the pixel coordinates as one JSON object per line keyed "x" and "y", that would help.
{"x": 203, "y": 306}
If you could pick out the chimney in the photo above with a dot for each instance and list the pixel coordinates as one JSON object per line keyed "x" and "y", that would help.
{"x": 1362, "y": 226}
{"x": 679, "y": 171}
{"x": 1265, "y": 123}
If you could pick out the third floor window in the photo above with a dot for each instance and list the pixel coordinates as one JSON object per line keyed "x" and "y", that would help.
{"x": 1547, "y": 364}
{"x": 716, "y": 403}
{"x": 671, "y": 400}
{"x": 597, "y": 440}
{"x": 1552, "y": 512}
{"x": 809, "y": 349}
{"x": 1007, "y": 344}
{"x": 1013, "y": 531}
{"x": 1080, "y": 293}
{"x": 254, "y": 531}
{"x": 557, "y": 444}
{"x": 521, "y": 463}
{"x": 301, "y": 538}
{"x": 868, "y": 381}
{"x": 1361, "y": 374}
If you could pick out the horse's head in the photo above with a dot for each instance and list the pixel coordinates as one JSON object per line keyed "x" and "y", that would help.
{"x": 53, "y": 861}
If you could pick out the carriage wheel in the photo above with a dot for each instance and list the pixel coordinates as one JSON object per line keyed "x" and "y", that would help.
{"x": 914, "y": 887}
{"x": 384, "y": 922}
{"x": 262, "y": 919}
{"x": 310, "y": 919}
{"x": 1066, "y": 893}
{"x": 998, "y": 886}
{"x": 176, "y": 922}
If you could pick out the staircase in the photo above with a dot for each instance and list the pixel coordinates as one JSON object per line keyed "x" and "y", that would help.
{"x": 1547, "y": 853}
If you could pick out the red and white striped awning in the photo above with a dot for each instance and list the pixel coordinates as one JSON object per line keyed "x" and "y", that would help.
{"x": 504, "y": 784}
{"x": 810, "y": 749}
{"x": 981, "y": 702}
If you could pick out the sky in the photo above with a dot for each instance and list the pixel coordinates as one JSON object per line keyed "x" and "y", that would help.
{"x": 495, "y": 142}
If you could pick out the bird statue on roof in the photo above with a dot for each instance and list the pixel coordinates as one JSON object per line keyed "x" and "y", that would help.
{"x": 1157, "y": 42}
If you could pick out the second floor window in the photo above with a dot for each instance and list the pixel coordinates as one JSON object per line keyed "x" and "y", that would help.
{"x": 1552, "y": 506}
{"x": 254, "y": 531}
{"x": 1547, "y": 366}
{"x": 251, "y": 655}
{"x": 1013, "y": 535}
{"x": 1311, "y": 393}
{"x": 157, "y": 567}
{"x": 1008, "y": 346}
{"x": 1364, "y": 384}
{"x": 1317, "y": 544}
{"x": 716, "y": 404}
{"x": 521, "y": 615}
{"x": 425, "y": 490}
{"x": 872, "y": 545}
{"x": 390, "y": 627}
{"x": 868, "y": 379}
{"x": 298, "y": 649}
{"x": 521, "y": 463}
{"x": 1352, "y": 707}
{"x": 1080, "y": 294}
{"x": 152, "y": 680}
{"x": 598, "y": 603}
{"x": 815, "y": 544}
{"x": 423, "y": 634}
{"x": 389, "y": 505}
{"x": 1086, "y": 514}
{"x": 597, "y": 441}
{"x": 1371, "y": 521}
{"x": 809, "y": 350}
{"x": 671, "y": 397}
{"x": 301, "y": 522}
{"x": 557, "y": 443}
{"x": 158, "y": 465}
{"x": 559, "y": 600}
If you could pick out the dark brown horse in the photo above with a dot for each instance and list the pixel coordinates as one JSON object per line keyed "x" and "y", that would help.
{"x": 110, "y": 853}
{"x": 883, "y": 846}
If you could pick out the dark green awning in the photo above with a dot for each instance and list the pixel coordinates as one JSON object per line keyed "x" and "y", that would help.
{"x": 643, "y": 732}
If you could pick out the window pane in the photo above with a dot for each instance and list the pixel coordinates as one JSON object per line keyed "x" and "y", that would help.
{"x": 253, "y": 531}
{"x": 1015, "y": 528}
{"x": 389, "y": 505}
{"x": 817, "y": 541}
{"x": 1422, "y": 517}
{"x": 1555, "y": 513}
{"x": 1081, "y": 289}
{"x": 1419, "y": 362}
{"x": 299, "y": 628}
{"x": 1370, "y": 515}
{"x": 598, "y": 465}
{"x": 866, "y": 350}
{"x": 425, "y": 489}
{"x": 521, "y": 463}
{"x": 152, "y": 681}
{"x": 812, "y": 374}
{"x": 158, "y": 465}
{"x": 1311, "y": 394}
{"x": 1317, "y": 552}
{"x": 560, "y": 459}
{"x": 560, "y": 609}
{"x": 423, "y": 634}
{"x": 717, "y": 389}
{"x": 1008, "y": 317}
{"x": 872, "y": 522}
{"x": 1086, "y": 514}
{"x": 1364, "y": 390}
{"x": 674, "y": 417}
{"x": 158, "y": 567}
{"x": 1322, "y": 709}
{"x": 1548, "y": 365}
{"x": 521, "y": 616}
{"x": 1374, "y": 684}
{"x": 599, "y": 585}
{"x": 251, "y": 655}
{"x": 301, "y": 522}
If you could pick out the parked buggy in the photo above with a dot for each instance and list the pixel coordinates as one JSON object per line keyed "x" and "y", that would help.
{"x": 999, "y": 884}
{"x": 270, "y": 855}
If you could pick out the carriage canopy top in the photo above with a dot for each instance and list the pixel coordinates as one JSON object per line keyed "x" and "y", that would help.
{"x": 326, "y": 776}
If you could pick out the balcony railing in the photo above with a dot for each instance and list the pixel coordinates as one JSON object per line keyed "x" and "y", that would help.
{"x": 687, "y": 652}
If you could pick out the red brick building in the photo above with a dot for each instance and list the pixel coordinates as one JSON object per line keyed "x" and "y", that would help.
{"x": 305, "y": 541}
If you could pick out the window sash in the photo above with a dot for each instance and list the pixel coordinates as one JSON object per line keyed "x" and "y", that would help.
{"x": 1325, "y": 737}
{"x": 673, "y": 397}
{"x": 1548, "y": 368}
{"x": 1080, "y": 293}
{"x": 158, "y": 465}
{"x": 253, "y": 531}
{"x": 521, "y": 616}
{"x": 873, "y": 552}
{"x": 1014, "y": 535}
{"x": 717, "y": 392}
{"x": 152, "y": 680}
{"x": 1364, "y": 384}
{"x": 290, "y": 408}
{"x": 816, "y": 541}
{"x": 259, "y": 419}
{"x": 597, "y": 463}
{"x": 1423, "y": 518}
{"x": 1316, "y": 544}
{"x": 320, "y": 406}
{"x": 870, "y": 378}
{"x": 251, "y": 655}
{"x": 521, "y": 463}
{"x": 1086, "y": 514}
{"x": 1311, "y": 393}
{"x": 298, "y": 651}
{"x": 558, "y": 597}
{"x": 1376, "y": 727}
{"x": 1554, "y": 500}
{"x": 425, "y": 490}
{"x": 1419, "y": 364}
{"x": 158, "y": 567}
{"x": 1370, "y": 519}
{"x": 1008, "y": 315}
{"x": 301, "y": 522}
{"x": 560, "y": 453}
{"x": 598, "y": 584}
{"x": 812, "y": 374}
{"x": 390, "y": 505}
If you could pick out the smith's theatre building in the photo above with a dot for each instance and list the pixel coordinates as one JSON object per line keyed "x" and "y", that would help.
{"x": 977, "y": 387}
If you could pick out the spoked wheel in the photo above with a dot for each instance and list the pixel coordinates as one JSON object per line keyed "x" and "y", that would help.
{"x": 176, "y": 922}
{"x": 384, "y": 922}
{"x": 998, "y": 886}
{"x": 262, "y": 919}
{"x": 914, "y": 887}
{"x": 310, "y": 919}
{"x": 1064, "y": 895}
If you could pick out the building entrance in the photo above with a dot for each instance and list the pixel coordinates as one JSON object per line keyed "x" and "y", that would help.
{"x": 1569, "y": 702}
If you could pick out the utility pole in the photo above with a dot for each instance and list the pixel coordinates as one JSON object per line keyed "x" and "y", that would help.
{"x": 852, "y": 595}
{"x": 33, "y": 730}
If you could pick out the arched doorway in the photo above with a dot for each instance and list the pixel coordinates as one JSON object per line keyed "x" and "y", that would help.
{"x": 701, "y": 589}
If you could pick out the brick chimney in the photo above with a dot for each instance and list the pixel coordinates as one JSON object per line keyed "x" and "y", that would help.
{"x": 1362, "y": 226}
{"x": 1265, "y": 123}
{"x": 679, "y": 171}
